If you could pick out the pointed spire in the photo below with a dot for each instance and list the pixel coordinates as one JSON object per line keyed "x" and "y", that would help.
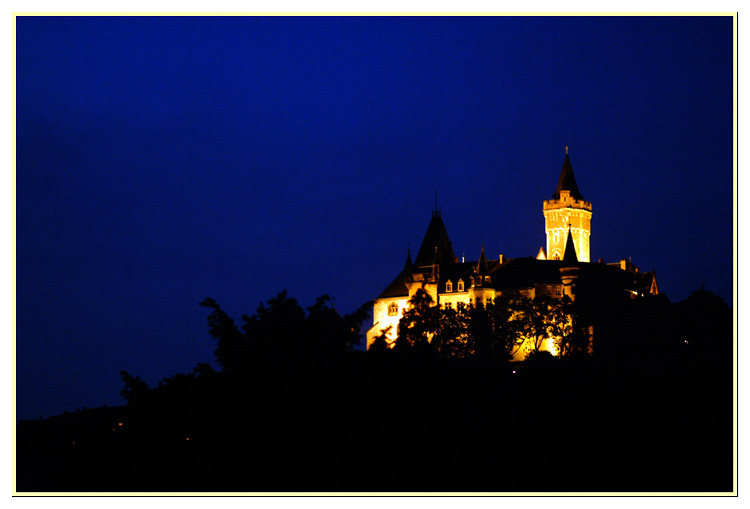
{"x": 570, "y": 248}
{"x": 542, "y": 254}
{"x": 408, "y": 265}
{"x": 482, "y": 267}
{"x": 482, "y": 271}
{"x": 567, "y": 180}
{"x": 435, "y": 237}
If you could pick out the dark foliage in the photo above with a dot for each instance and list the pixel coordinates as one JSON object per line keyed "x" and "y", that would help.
{"x": 296, "y": 409}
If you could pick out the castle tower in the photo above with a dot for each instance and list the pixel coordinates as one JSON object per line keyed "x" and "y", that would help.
{"x": 434, "y": 256}
{"x": 567, "y": 213}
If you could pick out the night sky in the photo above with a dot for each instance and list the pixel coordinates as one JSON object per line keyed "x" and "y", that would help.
{"x": 160, "y": 161}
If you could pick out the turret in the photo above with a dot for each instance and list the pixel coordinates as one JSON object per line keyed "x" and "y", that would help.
{"x": 567, "y": 214}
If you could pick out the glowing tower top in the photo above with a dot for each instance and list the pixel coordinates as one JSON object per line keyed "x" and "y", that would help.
{"x": 567, "y": 215}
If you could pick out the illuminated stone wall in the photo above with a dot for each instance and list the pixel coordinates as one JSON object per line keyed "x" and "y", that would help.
{"x": 383, "y": 318}
{"x": 561, "y": 214}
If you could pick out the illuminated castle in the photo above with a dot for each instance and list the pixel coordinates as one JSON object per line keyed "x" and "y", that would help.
{"x": 564, "y": 268}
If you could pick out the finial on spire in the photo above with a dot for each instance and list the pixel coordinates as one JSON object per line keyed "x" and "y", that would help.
{"x": 566, "y": 150}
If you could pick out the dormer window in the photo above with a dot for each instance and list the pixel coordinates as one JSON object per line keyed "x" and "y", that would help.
{"x": 460, "y": 285}
{"x": 393, "y": 309}
{"x": 448, "y": 286}
{"x": 479, "y": 281}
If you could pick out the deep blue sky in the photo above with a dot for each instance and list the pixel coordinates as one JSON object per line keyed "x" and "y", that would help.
{"x": 160, "y": 161}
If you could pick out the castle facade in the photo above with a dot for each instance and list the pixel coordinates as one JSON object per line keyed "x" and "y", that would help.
{"x": 562, "y": 268}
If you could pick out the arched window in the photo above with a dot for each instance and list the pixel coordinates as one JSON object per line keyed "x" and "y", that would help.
{"x": 393, "y": 309}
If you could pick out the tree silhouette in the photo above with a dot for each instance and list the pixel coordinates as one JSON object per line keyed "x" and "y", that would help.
{"x": 135, "y": 389}
{"x": 276, "y": 330}
{"x": 231, "y": 351}
{"x": 453, "y": 338}
{"x": 419, "y": 322}
{"x": 704, "y": 328}
{"x": 328, "y": 333}
{"x": 510, "y": 312}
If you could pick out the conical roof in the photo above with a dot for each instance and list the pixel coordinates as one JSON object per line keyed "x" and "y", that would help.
{"x": 567, "y": 180}
{"x": 436, "y": 237}
{"x": 482, "y": 269}
{"x": 398, "y": 287}
{"x": 570, "y": 249}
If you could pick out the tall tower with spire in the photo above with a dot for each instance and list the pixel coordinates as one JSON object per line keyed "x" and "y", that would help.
{"x": 567, "y": 216}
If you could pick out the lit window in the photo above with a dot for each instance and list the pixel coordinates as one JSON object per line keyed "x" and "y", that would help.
{"x": 460, "y": 285}
{"x": 448, "y": 286}
{"x": 479, "y": 281}
{"x": 393, "y": 309}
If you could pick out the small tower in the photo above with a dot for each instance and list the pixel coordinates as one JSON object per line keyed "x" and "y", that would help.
{"x": 482, "y": 290}
{"x": 567, "y": 214}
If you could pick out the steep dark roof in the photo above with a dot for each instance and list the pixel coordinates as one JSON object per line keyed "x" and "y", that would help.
{"x": 436, "y": 236}
{"x": 521, "y": 273}
{"x": 570, "y": 249}
{"x": 595, "y": 280}
{"x": 398, "y": 287}
{"x": 567, "y": 180}
{"x": 481, "y": 267}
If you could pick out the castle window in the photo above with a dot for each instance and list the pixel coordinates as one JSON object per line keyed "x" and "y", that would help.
{"x": 460, "y": 285}
{"x": 393, "y": 309}
{"x": 448, "y": 286}
{"x": 479, "y": 281}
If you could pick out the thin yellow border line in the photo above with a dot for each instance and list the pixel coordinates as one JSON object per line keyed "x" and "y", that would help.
{"x": 386, "y": 494}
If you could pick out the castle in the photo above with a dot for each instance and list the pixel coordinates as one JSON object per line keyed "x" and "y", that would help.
{"x": 561, "y": 268}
